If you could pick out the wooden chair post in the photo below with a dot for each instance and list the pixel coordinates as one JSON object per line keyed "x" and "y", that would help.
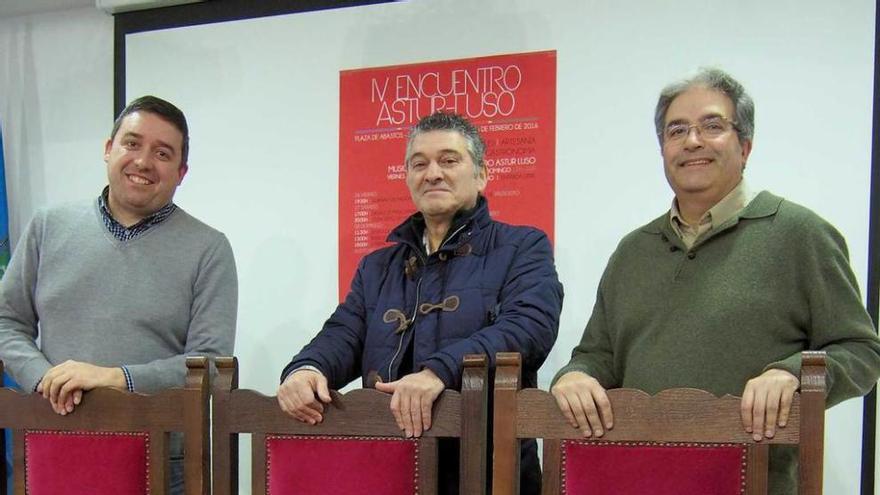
{"x": 225, "y": 444}
{"x": 756, "y": 473}
{"x": 159, "y": 453}
{"x": 474, "y": 424}
{"x": 812, "y": 427}
{"x": 197, "y": 417}
{"x": 505, "y": 462}
{"x": 18, "y": 464}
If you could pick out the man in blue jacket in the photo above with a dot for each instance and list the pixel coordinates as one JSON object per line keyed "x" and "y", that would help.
{"x": 454, "y": 282}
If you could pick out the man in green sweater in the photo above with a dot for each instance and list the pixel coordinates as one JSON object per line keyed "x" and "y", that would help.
{"x": 725, "y": 290}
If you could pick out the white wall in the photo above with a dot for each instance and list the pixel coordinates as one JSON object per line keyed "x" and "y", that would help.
{"x": 265, "y": 171}
{"x": 56, "y": 107}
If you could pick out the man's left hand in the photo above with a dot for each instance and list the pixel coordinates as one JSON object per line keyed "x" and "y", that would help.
{"x": 413, "y": 398}
{"x": 766, "y": 402}
{"x": 64, "y": 384}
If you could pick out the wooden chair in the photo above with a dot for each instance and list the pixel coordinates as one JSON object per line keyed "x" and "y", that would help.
{"x": 114, "y": 442}
{"x": 357, "y": 448}
{"x": 671, "y": 442}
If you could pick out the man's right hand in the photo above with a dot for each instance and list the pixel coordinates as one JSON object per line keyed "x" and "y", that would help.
{"x": 584, "y": 403}
{"x": 64, "y": 383}
{"x": 303, "y": 395}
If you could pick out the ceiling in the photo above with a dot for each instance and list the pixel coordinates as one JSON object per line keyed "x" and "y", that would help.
{"x": 14, "y": 8}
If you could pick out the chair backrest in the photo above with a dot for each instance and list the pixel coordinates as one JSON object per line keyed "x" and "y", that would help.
{"x": 670, "y": 442}
{"x": 114, "y": 442}
{"x": 357, "y": 448}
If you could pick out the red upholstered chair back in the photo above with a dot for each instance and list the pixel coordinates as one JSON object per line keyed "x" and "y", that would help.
{"x": 86, "y": 462}
{"x": 658, "y": 468}
{"x": 677, "y": 441}
{"x": 114, "y": 443}
{"x": 357, "y": 449}
{"x": 299, "y": 464}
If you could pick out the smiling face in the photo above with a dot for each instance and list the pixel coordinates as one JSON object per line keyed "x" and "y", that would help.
{"x": 441, "y": 176}
{"x": 143, "y": 166}
{"x": 699, "y": 166}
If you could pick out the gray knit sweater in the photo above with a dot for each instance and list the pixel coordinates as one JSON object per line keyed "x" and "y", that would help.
{"x": 767, "y": 284}
{"x": 145, "y": 303}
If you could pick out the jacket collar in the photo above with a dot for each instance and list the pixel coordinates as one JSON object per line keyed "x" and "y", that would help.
{"x": 466, "y": 224}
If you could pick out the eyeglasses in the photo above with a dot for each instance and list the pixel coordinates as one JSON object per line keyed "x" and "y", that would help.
{"x": 711, "y": 127}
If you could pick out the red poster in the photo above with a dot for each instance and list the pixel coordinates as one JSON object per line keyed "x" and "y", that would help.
{"x": 510, "y": 98}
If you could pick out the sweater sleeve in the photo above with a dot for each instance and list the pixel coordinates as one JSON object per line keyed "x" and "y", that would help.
{"x": 839, "y": 323}
{"x": 594, "y": 355}
{"x": 527, "y": 320}
{"x": 211, "y": 331}
{"x": 18, "y": 317}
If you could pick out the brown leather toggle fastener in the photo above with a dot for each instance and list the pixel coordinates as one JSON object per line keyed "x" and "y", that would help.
{"x": 409, "y": 268}
{"x": 373, "y": 378}
{"x": 449, "y": 304}
{"x": 463, "y": 250}
{"x": 393, "y": 315}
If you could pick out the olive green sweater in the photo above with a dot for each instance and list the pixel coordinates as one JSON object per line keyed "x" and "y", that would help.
{"x": 750, "y": 295}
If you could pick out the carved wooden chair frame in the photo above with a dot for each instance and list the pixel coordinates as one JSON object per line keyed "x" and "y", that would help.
{"x": 358, "y": 413}
{"x": 109, "y": 410}
{"x": 686, "y": 416}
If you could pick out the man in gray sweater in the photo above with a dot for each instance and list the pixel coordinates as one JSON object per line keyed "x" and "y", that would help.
{"x": 119, "y": 289}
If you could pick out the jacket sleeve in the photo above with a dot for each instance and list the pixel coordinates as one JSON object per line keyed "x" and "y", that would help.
{"x": 337, "y": 349}
{"x": 18, "y": 316}
{"x": 839, "y": 323}
{"x": 527, "y": 321}
{"x": 211, "y": 331}
{"x": 595, "y": 355}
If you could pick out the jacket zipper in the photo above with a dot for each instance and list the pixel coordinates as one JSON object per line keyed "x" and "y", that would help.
{"x": 412, "y": 320}
{"x": 409, "y": 324}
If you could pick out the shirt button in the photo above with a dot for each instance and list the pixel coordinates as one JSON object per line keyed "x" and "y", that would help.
{"x": 692, "y": 255}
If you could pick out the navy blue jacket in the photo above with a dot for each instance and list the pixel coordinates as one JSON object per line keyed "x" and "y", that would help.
{"x": 490, "y": 287}
{"x": 501, "y": 277}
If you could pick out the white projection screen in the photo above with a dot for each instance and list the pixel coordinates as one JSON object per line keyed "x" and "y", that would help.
{"x": 262, "y": 99}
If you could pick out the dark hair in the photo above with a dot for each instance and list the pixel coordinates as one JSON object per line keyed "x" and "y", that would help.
{"x": 718, "y": 80}
{"x": 164, "y": 110}
{"x": 442, "y": 121}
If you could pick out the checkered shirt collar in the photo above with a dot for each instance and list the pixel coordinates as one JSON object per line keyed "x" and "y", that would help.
{"x": 122, "y": 233}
